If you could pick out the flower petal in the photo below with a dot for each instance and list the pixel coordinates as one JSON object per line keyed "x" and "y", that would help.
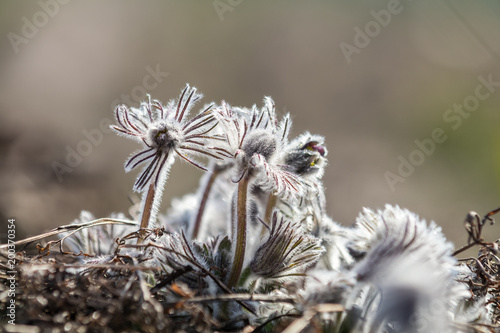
{"x": 275, "y": 178}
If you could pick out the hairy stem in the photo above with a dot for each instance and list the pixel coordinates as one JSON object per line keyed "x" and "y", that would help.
{"x": 271, "y": 203}
{"x": 146, "y": 210}
{"x": 203, "y": 202}
{"x": 240, "y": 232}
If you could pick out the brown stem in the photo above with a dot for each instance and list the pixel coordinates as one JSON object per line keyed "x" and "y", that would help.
{"x": 466, "y": 247}
{"x": 146, "y": 211}
{"x": 203, "y": 203}
{"x": 240, "y": 239}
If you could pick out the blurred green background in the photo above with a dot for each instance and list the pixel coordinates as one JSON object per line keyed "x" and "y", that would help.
{"x": 63, "y": 66}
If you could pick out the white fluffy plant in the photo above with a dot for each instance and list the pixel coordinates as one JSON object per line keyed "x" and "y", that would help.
{"x": 247, "y": 147}
{"x": 405, "y": 278}
{"x": 256, "y": 142}
{"x": 258, "y": 226}
{"x": 410, "y": 267}
{"x": 99, "y": 240}
{"x": 165, "y": 133}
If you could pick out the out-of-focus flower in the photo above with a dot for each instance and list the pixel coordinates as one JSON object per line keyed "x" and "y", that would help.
{"x": 97, "y": 240}
{"x": 335, "y": 238}
{"x": 327, "y": 286}
{"x": 407, "y": 271}
{"x": 184, "y": 210}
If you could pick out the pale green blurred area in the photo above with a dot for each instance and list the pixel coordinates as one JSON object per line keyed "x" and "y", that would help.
{"x": 67, "y": 77}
